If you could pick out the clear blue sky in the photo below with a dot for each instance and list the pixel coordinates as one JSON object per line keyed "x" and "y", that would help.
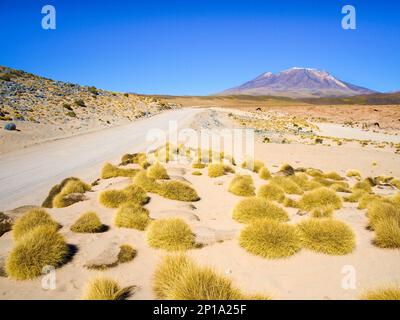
{"x": 200, "y": 46}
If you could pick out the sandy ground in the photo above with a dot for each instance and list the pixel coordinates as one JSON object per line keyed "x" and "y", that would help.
{"x": 306, "y": 275}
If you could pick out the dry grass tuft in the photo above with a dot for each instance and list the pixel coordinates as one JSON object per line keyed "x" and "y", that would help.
{"x": 242, "y": 185}
{"x": 327, "y": 236}
{"x": 387, "y": 233}
{"x": 148, "y": 184}
{"x": 132, "y": 215}
{"x": 322, "y": 212}
{"x": 72, "y": 186}
{"x": 126, "y": 253}
{"x": 110, "y": 171}
{"x": 287, "y": 184}
{"x": 216, "y": 170}
{"x": 198, "y": 165}
{"x": 137, "y": 158}
{"x": 157, "y": 171}
{"x": 172, "y": 234}
{"x": 114, "y": 198}
{"x": 353, "y": 173}
{"x": 177, "y": 190}
{"x": 89, "y": 222}
{"x": 270, "y": 239}
{"x": 102, "y": 288}
{"x": 362, "y": 185}
{"x": 253, "y": 165}
{"x": 291, "y": 203}
{"x": 264, "y": 173}
{"x": 31, "y": 220}
{"x": 48, "y": 202}
{"x": 287, "y": 170}
{"x": 196, "y": 173}
{"x": 355, "y": 196}
{"x": 250, "y": 209}
{"x": 271, "y": 192}
{"x": 320, "y": 198}
{"x": 41, "y": 247}
{"x": 386, "y": 293}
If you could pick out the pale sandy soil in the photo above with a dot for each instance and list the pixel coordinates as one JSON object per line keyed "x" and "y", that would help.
{"x": 306, "y": 275}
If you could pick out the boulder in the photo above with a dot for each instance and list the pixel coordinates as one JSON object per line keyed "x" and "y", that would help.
{"x": 10, "y": 126}
{"x": 101, "y": 254}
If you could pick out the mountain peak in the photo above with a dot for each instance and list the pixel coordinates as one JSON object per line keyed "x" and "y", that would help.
{"x": 298, "y": 82}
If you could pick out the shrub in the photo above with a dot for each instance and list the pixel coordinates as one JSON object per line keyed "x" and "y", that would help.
{"x": 253, "y": 208}
{"x": 102, "y": 288}
{"x": 387, "y": 232}
{"x": 126, "y": 253}
{"x": 48, "y": 202}
{"x": 114, "y": 198}
{"x": 286, "y": 184}
{"x": 197, "y": 173}
{"x": 327, "y": 236}
{"x": 198, "y": 165}
{"x": 170, "y": 234}
{"x": 132, "y": 215}
{"x": 271, "y": 192}
{"x": 264, "y": 173}
{"x": 362, "y": 185}
{"x": 71, "y": 186}
{"x": 178, "y": 277}
{"x": 270, "y": 239}
{"x": 109, "y": 171}
{"x": 353, "y": 173}
{"x": 177, "y": 190}
{"x": 386, "y": 293}
{"x": 80, "y": 103}
{"x": 149, "y": 184}
{"x": 242, "y": 185}
{"x": 320, "y": 198}
{"x": 41, "y": 247}
{"x": 89, "y": 222}
{"x": 31, "y": 220}
{"x": 253, "y": 165}
{"x": 157, "y": 171}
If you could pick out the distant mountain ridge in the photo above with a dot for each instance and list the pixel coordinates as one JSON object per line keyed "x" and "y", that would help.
{"x": 298, "y": 83}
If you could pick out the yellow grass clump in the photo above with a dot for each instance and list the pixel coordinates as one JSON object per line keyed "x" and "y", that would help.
{"x": 286, "y": 184}
{"x": 48, "y": 202}
{"x": 355, "y": 196}
{"x": 387, "y": 233}
{"x": 264, "y": 173}
{"x": 253, "y": 165}
{"x": 157, "y": 171}
{"x": 314, "y": 172}
{"x": 41, "y": 247}
{"x": 177, "y": 190}
{"x": 333, "y": 176}
{"x": 385, "y": 293}
{"x": 148, "y": 184}
{"x": 126, "y": 253}
{"x": 322, "y": 212}
{"x": 179, "y": 278}
{"x": 379, "y": 210}
{"x": 72, "y": 186}
{"x": 365, "y": 200}
{"x": 89, "y": 222}
{"x": 362, "y": 185}
{"x": 270, "y": 239}
{"x": 110, "y": 171}
{"x": 340, "y": 188}
{"x": 287, "y": 169}
{"x": 102, "y": 288}
{"x": 252, "y": 208}
{"x": 172, "y": 234}
{"x": 216, "y": 170}
{"x": 31, "y": 220}
{"x": 271, "y": 192}
{"x": 196, "y": 173}
{"x": 242, "y": 185}
{"x": 137, "y": 158}
{"x": 327, "y": 236}
{"x": 395, "y": 183}
{"x": 198, "y": 165}
{"x": 353, "y": 173}
{"x": 114, "y": 198}
{"x": 132, "y": 215}
{"x": 320, "y": 198}
{"x": 289, "y": 202}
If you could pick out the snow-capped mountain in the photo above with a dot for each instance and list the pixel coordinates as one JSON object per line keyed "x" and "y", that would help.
{"x": 298, "y": 83}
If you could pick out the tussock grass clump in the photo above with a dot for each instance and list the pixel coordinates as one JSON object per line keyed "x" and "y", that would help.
{"x": 395, "y": 183}
{"x": 41, "y": 247}
{"x": 287, "y": 169}
{"x": 179, "y": 278}
{"x": 132, "y": 215}
{"x": 288, "y": 202}
{"x": 271, "y": 192}
{"x": 327, "y": 236}
{"x": 270, "y": 239}
{"x": 110, "y": 171}
{"x": 133, "y": 158}
{"x": 148, "y": 184}
{"x": 216, "y": 170}
{"x": 355, "y": 195}
{"x": 315, "y": 172}
{"x": 177, "y": 190}
{"x": 381, "y": 210}
{"x": 333, "y": 176}
{"x": 353, "y": 173}
{"x": 102, "y": 288}
{"x": 89, "y": 222}
{"x": 387, "y": 233}
{"x": 172, "y": 234}
{"x": 31, "y": 220}
{"x": 362, "y": 185}
{"x": 385, "y": 293}
{"x": 340, "y": 188}
{"x": 71, "y": 186}
{"x": 253, "y": 165}
{"x": 242, "y": 185}
{"x": 365, "y": 200}
{"x": 198, "y": 165}
{"x": 157, "y": 171}
{"x": 264, "y": 173}
{"x": 126, "y": 253}
{"x": 286, "y": 184}
{"x": 322, "y": 212}
{"x": 197, "y": 173}
{"x": 250, "y": 209}
{"x": 114, "y": 198}
{"x": 48, "y": 202}
{"x": 395, "y": 200}
{"x": 320, "y": 198}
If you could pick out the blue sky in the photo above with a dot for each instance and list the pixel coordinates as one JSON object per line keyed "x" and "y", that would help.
{"x": 200, "y": 46}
